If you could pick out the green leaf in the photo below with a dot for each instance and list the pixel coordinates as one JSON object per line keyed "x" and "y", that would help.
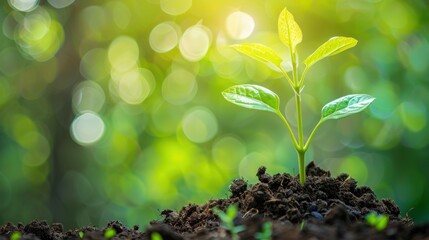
{"x": 289, "y": 31}
{"x": 15, "y": 236}
{"x": 261, "y": 53}
{"x": 253, "y": 97}
{"x": 331, "y": 47}
{"x": 155, "y": 236}
{"x": 109, "y": 233}
{"x": 383, "y": 221}
{"x": 345, "y": 106}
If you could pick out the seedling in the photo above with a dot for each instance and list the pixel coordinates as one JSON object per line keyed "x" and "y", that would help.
{"x": 81, "y": 234}
{"x": 301, "y": 225}
{"x": 260, "y": 98}
{"x": 266, "y": 232}
{"x": 109, "y": 233}
{"x": 155, "y": 236}
{"x": 15, "y": 236}
{"x": 378, "y": 221}
{"x": 227, "y": 220}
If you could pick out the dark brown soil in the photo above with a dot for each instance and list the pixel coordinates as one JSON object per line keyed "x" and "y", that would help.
{"x": 325, "y": 208}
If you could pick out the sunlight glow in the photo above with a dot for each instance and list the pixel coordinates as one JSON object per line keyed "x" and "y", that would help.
{"x": 88, "y": 96}
{"x": 87, "y": 128}
{"x": 195, "y": 43}
{"x": 24, "y": 5}
{"x": 94, "y": 65}
{"x": 135, "y": 86}
{"x": 240, "y": 25}
{"x": 123, "y": 53}
{"x": 39, "y": 35}
{"x": 199, "y": 125}
{"x": 60, "y": 3}
{"x": 179, "y": 87}
{"x": 175, "y": 7}
{"x": 164, "y": 37}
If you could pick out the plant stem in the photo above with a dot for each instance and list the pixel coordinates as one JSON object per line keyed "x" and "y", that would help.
{"x": 299, "y": 116}
{"x": 301, "y": 159}
{"x": 292, "y": 136}
{"x": 300, "y": 149}
{"x": 307, "y": 144}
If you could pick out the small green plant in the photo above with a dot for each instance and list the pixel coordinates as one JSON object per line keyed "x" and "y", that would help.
{"x": 15, "y": 236}
{"x": 155, "y": 236}
{"x": 109, "y": 233}
{"x": 227, "y": 220}
{"x": 266, "y": 232}
{"x": 81, "y": 234}
{"x": 260, "y": 98}
{"x": 378, "y": 221}
{"x": 301, "y": 225}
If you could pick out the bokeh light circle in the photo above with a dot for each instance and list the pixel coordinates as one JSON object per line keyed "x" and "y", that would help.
{"x": 60, "y": 3}
{"x": 179, "y": 87}
{"x": 24, "y": 5}
{"x": 39, "y": 35}
{"x": 87, "y": 128}
{"x": 94, "y": 64}
{"x": 88, "y": 96}
{"x": 123, "y": 53}
{"x": 175, "y": 7}
{"x": 199, "y": 125}
{"x": 133, "y": 87}
{"x": 164, "y": 37}
{"x": 240, "y": 25}
{"x": 195, "y": 43}
{"x": 38, "y": 149}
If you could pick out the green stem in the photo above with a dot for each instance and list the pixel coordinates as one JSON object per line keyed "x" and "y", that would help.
{"x": 288, "y": 78}
{"x": 300, "y": 149}
{"x": 299, "y": 113}
{"x": 292, "y": 136}
{"x": 301, "y": 159}
{"x": 301, "y": 81}
{"x": 307, "y": 144}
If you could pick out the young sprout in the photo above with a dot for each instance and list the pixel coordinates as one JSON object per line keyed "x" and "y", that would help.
{"x": 378, "y": 221}
{"x": 266, "y": 232}
{"x": 260, "y": 98}
{"x": 301, "y": 225}
{"x": 155, "y": 236}
{"x": 109, "y": 233}
{"x": 15, "y": 236}
{"x": 81, "y": 234}
{"x": 227, "y": 220}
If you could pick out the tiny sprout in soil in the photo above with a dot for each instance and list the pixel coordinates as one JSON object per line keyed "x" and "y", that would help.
{"x": 109, "y": 233}
{"x": 266, "y": 232}
{"x": 378, "y": 221}
{"x": 260, "y": 98}
{"x": 227, "y": 220}
{"x": 15, "y": 236}
{"x": 155, "y": 236}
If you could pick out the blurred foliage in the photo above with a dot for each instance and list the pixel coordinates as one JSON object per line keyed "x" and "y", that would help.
{"x": 112, "y": 109}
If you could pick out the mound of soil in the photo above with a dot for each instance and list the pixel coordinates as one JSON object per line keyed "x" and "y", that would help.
{"x": 324, "y": 208}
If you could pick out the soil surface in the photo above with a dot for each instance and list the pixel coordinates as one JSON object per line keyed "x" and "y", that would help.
{"x": 324, "y": 208}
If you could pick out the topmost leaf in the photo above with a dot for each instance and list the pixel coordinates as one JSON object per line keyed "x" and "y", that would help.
{"x": 261, "y": 53}
{"x": 331, "y": 47}
{"x": 289, "y": 31}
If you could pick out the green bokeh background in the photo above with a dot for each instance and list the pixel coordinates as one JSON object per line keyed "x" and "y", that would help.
{"x": 70, "y": 70}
